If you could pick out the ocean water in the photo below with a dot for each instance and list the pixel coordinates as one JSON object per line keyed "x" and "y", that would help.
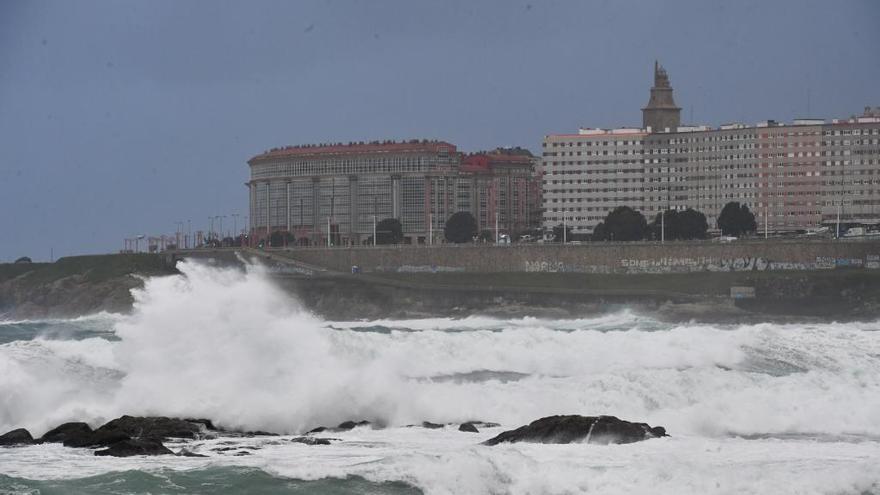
{"x": 767, "y": 408}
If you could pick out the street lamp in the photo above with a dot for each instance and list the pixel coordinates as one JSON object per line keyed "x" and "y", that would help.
{"x": 177, "y": 234}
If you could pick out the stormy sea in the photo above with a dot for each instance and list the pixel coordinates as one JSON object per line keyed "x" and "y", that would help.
{"x": 766, "y": 408}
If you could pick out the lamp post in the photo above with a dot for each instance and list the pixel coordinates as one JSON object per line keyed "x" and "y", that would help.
{"x": 177, "y": 234}
{"x": 662, "y": 226}
{"x": 564, "y": 229}
{"x": 374, "y": 230}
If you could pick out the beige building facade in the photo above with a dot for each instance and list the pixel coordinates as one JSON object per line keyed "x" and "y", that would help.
{"x": 793, "y": 176}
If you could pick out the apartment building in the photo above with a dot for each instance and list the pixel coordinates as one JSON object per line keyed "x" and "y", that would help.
{"x": 333, "y": 193}
{"x": 793, "y": 176}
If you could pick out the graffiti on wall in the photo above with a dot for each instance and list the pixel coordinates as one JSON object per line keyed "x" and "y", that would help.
{"x": 672, "y": 264}
{"x": 420, "y": 269}
{"x": 560, "y": 267}
{"x": 545, "y": 266}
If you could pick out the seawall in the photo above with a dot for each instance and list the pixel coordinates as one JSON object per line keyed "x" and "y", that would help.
{"x": 607, "y": 258}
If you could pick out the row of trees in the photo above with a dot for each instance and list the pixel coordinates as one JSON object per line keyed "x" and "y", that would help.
{"x": 626, "y": 224}
{"x": 621, "y": 224}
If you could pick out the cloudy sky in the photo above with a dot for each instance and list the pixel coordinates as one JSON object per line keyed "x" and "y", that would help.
{"x": 123, "y": 117}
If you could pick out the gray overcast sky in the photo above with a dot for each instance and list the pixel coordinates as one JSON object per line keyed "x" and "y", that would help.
{"x": 121, "y": 117}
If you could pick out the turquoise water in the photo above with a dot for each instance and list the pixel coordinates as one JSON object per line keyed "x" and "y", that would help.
{"x": 76, "y": 329}
{"x": 217, "y": 480}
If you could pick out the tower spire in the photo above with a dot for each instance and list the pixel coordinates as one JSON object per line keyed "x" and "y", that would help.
{"x": 661, "y": 113}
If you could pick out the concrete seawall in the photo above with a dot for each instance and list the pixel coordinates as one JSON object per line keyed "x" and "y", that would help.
{"x": 617, "y": 258}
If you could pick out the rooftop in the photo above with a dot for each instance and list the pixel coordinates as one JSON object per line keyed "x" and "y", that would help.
{"x": 355, "y": 147}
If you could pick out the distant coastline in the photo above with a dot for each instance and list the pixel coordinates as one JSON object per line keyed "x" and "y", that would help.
{"x": 81, "y": 285}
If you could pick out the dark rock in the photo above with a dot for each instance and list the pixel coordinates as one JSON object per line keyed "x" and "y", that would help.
{"x": 468, "y": 427}
{"x": 311, "y": 440}
{"x": 157, "y": 428}
{"x": 16, "y": 437}
{"x": 188, "y": 453}
{"x": 132, "y": 446}
{"x": 319, "y": 429}
{"x": 95, "y": 438}
{"x": 431, "y": 426}
{"x": 209, "y": 425}
{"x": 483, "y": 424}
{"x": 239, "y": 454}
{"x": 587, "y": 429}
{"x": 259, "y": 433}
{"x": 65, "y": 432}
{"x": 224, "y": 449}
{"x": 348, "y": 425}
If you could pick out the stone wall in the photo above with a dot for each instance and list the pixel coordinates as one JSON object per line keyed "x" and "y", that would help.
{"x": 670, "y": 257}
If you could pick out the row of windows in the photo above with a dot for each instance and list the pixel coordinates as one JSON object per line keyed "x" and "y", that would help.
{"x": 588, "y": 143}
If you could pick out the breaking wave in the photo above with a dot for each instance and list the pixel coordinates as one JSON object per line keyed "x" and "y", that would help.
{"x": 226, "y": 344}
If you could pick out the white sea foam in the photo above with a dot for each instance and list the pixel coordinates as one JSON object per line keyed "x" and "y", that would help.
{"x": 226, "y": 344}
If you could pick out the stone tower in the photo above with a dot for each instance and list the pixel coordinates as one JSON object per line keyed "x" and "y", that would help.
{"x": 661, "y": 111}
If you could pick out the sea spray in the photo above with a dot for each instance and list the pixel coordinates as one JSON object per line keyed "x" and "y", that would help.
{"x": 764, "y": 408}
{"x": 227, "y": 344}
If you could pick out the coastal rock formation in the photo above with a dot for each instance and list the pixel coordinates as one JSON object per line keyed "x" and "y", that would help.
{"x": 19, "y": 436}
{"x": 95, "y": 439}
{"x": 123, "y": 437}
{"x": 158, "y": 428}
{"x": 311, "y": 440}
{"x": 579, "y": 429}
{"x": 135, "y": 446}
{"x": 65, "y": 432}
{"x": 468, "y": 427}
{"x": 344, "y": 426}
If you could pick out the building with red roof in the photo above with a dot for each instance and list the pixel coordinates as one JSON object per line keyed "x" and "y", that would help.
{"x": 334, "y": 193}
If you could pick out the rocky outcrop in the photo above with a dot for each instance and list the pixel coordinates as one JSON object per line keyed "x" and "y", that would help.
{"x": 580, "y": 429}
{"x": 159, "y": 428}
{"x": 468, "y": 427}
{"x": 311, "y": 440}
{"x": 65, "y": 432}
{"x": 122, "y": 437}
{"x": 135, "y": 446}
{"x": 96, "y": 438}
{"x": 344, "y": 426}
{"x": 19, "y": 436}
{"x": 76, "y": 285}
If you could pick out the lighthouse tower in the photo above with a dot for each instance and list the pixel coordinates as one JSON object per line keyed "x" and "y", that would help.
{"x": 661, "y": 112}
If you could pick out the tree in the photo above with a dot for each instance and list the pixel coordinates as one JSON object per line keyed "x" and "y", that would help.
{"x": 559, "y": 235}
{"x": 679, "y": 225}
{"x": 389, "y": 231}
{"x": 625, "y": 224}
{"x": 692, "y": 224}
{"x": 23, "y": 259}
{"x": 460, "y": 228}
{"x": 599, "y": 233}
{"x": 486, "y": 236}
{"x": 736, "y": 219}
